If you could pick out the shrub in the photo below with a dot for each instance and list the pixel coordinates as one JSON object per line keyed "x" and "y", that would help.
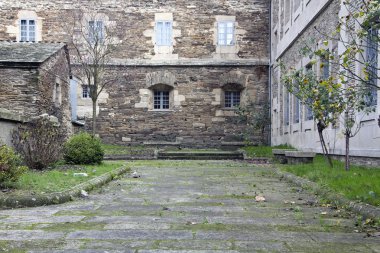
{"x": 83, "y": 149}
{"x": 39, "y": 142}
{"x": 10, "y": 165}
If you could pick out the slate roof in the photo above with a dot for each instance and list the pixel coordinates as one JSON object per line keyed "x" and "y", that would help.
{"x": 21, "y": 52}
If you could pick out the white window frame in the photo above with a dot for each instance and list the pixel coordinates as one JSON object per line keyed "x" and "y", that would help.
{"x": 164, "y": 36}
{"x": 223, "y": 35}
{"x": 161, "y": 99}
{"x": 96, "y": 31}
{"x": 234, "y": 96}
{"x": 28, "y": 37}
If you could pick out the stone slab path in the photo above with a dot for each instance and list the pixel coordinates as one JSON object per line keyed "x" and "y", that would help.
{"x": 187, "y": 207}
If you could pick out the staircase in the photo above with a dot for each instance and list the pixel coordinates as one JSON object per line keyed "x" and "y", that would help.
{"x": 200, "y": 155}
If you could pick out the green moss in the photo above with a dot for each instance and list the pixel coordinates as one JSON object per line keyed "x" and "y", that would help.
{"x": 74, "y": 226}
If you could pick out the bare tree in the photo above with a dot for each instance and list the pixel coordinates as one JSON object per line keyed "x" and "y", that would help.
{"x": 92, "y": 41}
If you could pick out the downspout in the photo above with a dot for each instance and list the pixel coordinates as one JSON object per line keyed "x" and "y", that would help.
{"x": 270, "y": 73}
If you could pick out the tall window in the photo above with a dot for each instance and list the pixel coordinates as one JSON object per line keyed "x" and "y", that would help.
{"x": 86, "y": 91}
{"x": 287, "y": 108}
{"x": 372, "y": 63}
{"x": 27, "y": 30}
{"x": 296, "y": 108}
{"x": 161, "y": 100}
{"x": 231, "y": 99}
{"x": 325, "y": 67}
{"x": 95, "y": 31}
{"x": 164, "y": 33}
{"x": 308, "y": 110}
{"x": 226, "y": 33}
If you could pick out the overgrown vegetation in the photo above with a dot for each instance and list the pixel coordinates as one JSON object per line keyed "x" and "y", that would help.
{"x": 257, "y": 118}
{"x": 58, "y": 179}
{"x": 39, "y": 142}
{"x": 359, "y": 183}
{"x": 11, "y": 168}
{"x": 83, "y": 148}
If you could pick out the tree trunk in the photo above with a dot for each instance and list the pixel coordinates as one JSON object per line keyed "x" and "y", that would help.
{"x": 93, "y": 118}
{"x": 347, "y": 156}
{"x": 321, "y": 126}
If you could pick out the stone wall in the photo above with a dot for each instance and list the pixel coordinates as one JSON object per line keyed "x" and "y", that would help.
{"x": 194, "y": 67}
{"x": 29, "y": 91}
{"x": 194, "y": 21}
{"x": 52, "y": 73}
{"x": 196, "y": 117}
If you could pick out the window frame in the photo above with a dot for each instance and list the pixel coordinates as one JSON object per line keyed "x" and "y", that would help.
{"x": 28, "y": 30}
{"x": 373, "y": 61}
{"x": 234, "y": 98}
{"x": 86, "y": 93}
{"x": 164, "y": 37}
{"x": 224, "y": 39}
{"x": 93, "y": 32}
{"x": 163, "y": 97}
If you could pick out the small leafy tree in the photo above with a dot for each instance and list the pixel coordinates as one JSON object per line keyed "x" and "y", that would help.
{"x": 322, "y": 96}
{"x": 347, "y": 92}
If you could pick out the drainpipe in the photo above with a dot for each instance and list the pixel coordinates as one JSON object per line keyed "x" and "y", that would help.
{"x": 270, "y": 73}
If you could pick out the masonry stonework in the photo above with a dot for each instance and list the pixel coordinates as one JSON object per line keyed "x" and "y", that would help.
{"x": 195, "y": 69}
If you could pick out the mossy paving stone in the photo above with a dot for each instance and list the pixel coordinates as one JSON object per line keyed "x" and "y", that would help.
{"x": 188, "y": 207}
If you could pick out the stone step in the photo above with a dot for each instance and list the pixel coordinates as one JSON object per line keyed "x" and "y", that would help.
{"x": 204, "y": 155}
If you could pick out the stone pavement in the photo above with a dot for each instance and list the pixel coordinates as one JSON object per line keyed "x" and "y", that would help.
{"x": 187, "y": 207}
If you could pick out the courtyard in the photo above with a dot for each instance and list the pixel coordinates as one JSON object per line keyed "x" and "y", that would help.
{"x": 188, "y": 206}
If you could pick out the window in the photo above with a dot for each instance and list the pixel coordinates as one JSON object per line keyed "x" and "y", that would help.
{"x": 325, "y": 67}
{"x": 27, "y": 30}
{"x": 164, "y": 33}
{"x": 287, "y": 108}
{"x": 308, "y": 110}
{"x": 226, "y": 33}
{"x": 296, "y": 108}
{"x": 161, "y": 100}
{"x": 372, "y": 64}
{"x": 95, "y": 31}
{"x": 86, "y": 91}
{"x": 231, "y": 99}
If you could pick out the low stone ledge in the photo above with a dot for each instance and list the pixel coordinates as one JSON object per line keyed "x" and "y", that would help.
{"x": 365, "y": 210}
{"x": 297, "y": 157}
{"x": 279, "y": 155}
{"x": 299, "y": 154}
{"x": 60, "y": 197}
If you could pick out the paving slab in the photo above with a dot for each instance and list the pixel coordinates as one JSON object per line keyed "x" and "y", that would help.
{"x": 187, "y": 207}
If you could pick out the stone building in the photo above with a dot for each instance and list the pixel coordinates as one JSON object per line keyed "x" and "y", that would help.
{"x": 184, "y": 66}
{"x": 294, "y": 23}
{"x": 34, "y": 80}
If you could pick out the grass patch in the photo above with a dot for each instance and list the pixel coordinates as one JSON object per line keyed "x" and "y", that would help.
{"x": 263, "y": 151}
{"x": 110, "y": 149}
{"x": 359, "y": 183}
{"x": 55, "y": 180}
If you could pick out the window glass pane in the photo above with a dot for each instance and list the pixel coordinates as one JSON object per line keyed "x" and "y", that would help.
{"x": 372, "y": 63}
